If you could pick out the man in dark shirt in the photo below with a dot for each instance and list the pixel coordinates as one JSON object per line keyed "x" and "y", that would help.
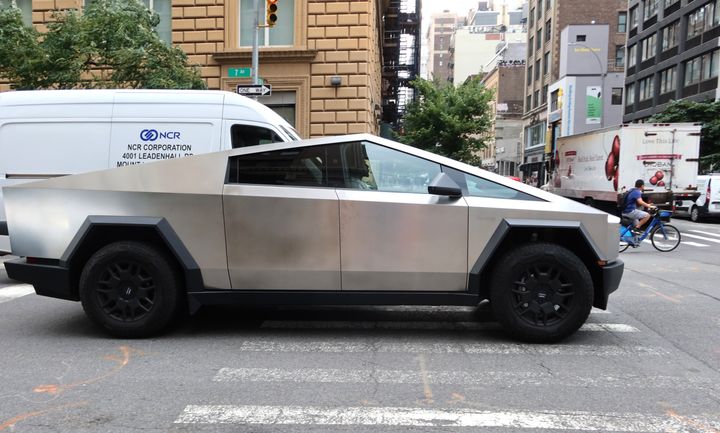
{"x": 633, "y": 201}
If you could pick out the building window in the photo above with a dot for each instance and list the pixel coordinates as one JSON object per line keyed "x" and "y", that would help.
{"x": 670, "y": 2}
{"x": 530, "y": 46}
{"x": 669, "y": 36}
{"x": 537, "y": 69}
{"x": 532, "y": 17}
{"x": 692, "y": 71}
{"x": 535, "y": 135}
{"x": 548, "y": 30}
{"x": 709, "y": 65}
{"x": 546, "y": 63}
{"x": 554, "y": 97}
{"x": 622, "y": 22}
{"x": 702, "y": 19}
{"x": 536, "y": 98}
{"x": 649, "y": 9}
{"x": 648, "y": 48}
{"x": 25, "y": 7}
{"x": 539, "y": 10}
{"x": 280, "y": 35}
{"x": 631, "y": 56}
{"x": 548, "y": 3}
{"x": 667, "y": 80}
{"x": 616, "y": 96}
{"x": 538, "y": 40}
{"x": 630, "y": 94}
{"x": 529, "y": 75}
{"x": 646, "y": 88}
{"x": 544, "y": 94}
{"x": 528, "y": 102}
{"x": 620, "y": 56}
{"x": 634, "y": 17}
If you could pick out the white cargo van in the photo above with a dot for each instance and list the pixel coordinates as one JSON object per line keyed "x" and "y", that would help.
{"x": 708, "y": 204}
{"x": 48, "y": 133}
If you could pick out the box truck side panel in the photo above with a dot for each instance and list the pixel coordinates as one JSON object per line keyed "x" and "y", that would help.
{"x": 580, "y": 164}
{"x": 664, "y": 157}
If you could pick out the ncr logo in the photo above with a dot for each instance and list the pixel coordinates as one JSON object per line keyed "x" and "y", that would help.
{"x": 153, "y": 134}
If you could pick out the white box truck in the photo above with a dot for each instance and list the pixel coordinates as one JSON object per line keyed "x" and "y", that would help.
{"x": 48, "y": 133}
{"x": 596, "y": 167}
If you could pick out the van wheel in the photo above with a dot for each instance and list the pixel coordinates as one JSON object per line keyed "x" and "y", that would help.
{"x": 541, "y": 293}
{"x": 694, "y": 214}
{"x": 130, "y": 289}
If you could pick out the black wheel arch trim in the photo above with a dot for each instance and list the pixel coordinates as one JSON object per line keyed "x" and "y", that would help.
{"x": 193, "y": 276}
{"x": 503, "y": 229}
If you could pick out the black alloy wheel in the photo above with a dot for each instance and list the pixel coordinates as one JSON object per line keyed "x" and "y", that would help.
{"x": 131, "y": 289}
{"x": 125, "y": 290}
{"x": 541, "y": 292}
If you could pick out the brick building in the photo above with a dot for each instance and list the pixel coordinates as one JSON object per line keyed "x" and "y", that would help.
{"x": 441, "y": 30}
{"x": 312, "y": 41}
{"x": 546, "y": 20}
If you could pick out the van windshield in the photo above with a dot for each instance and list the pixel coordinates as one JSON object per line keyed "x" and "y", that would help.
{"x": 291, "y": 132}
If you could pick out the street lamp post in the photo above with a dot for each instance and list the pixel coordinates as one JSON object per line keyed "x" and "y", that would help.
{"x": 603, "y": 72}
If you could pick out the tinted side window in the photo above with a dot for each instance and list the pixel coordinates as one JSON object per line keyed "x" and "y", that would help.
{"x": 475, "y": 186}
{"x": 249, "y": 135}
{"x": 307, "y": 166}
{"x": 370, "y": 166}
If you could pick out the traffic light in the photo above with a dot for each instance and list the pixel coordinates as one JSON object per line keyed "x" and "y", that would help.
{"x": 271, "y": 12}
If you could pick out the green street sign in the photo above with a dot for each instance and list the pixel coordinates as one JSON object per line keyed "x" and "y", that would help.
{"x": 239, "y": 72}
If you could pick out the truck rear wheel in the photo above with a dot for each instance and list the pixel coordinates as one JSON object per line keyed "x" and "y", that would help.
{"x": 130, "y": 289}
{"x": 541, "y": 292}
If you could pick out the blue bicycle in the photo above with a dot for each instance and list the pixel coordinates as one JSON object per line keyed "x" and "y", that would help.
{"x": 664, "y": 237}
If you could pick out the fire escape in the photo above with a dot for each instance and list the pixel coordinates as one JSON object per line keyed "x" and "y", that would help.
{"x": 401, "y": 57}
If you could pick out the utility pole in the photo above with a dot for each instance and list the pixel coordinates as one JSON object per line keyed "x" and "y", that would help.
{"x": 256, "y": 41}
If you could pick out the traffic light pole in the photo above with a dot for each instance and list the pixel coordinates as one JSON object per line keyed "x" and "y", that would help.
{"x": 255, "y": 51}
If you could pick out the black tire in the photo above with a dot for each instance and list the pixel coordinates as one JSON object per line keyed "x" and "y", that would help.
{"x": 694, "y": 214}
{"x": 667, "y": 241}
{"x": 541, "y": 292}
{"x": 130, "y": 289}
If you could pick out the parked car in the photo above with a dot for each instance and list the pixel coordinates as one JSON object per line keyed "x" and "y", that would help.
{"x": 344, "y": 220}
{"x": 707, "y": 205}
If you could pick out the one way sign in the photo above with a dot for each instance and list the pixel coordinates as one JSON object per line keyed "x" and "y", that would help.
{"x": 254, "y": 89}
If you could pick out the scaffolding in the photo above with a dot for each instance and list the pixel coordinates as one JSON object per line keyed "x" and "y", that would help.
{"x": 401, "y": 57}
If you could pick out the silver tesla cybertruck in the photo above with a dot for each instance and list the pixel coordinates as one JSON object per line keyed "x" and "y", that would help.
{"x": 344, "y": 220}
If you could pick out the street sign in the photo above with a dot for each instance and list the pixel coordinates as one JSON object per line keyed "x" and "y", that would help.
{"x": 239, "y": 72}
{"x": 254, "y": 89}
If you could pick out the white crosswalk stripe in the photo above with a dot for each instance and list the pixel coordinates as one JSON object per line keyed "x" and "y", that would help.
{"x": 694, "y": 244}
{"x": 13, "y": 292}
{"x": 431, "y": 325}
{"x": 702, "y": 238}
{"x": 487, "y": 378}
{"x": 293, "y": 345}
{"x": 705, "y": 233}
{"x": 426, "y": 417}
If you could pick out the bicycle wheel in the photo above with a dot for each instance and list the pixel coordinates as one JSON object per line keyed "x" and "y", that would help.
{"x": 624, "y": 244}
{"x": 665, "y": 238}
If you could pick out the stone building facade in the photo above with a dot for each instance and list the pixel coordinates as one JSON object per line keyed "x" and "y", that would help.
{"x": 312, "y": 42}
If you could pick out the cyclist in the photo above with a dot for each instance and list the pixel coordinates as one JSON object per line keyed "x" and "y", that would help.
{"x": 633, "y": 203}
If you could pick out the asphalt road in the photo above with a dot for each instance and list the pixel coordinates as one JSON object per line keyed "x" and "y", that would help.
{"x": 650, "y": 363}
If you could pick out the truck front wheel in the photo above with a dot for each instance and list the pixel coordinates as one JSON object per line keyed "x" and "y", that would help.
{"x": 541, "y": 292}
{"x": 130, "y": 289}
